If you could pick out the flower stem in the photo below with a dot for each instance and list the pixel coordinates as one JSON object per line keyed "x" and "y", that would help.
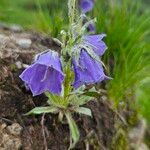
{"x": 68, "y": 80}
{"x": 71, "y": 11}
{"x": 71, "y": 15}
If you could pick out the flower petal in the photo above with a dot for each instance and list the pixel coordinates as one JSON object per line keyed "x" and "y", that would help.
{"x": 90, "y": 71}
{"x": 45, "y": 74}
{"x": 28, "y": 73}
{"x": 46, "y": 79}
{"x": 91, "y": 27}
{"x": 51, "y": 59}
{"x": 95, "y": 41}
{"x": 86, "y": 5}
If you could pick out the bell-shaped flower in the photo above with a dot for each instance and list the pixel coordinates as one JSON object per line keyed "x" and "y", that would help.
{"x": 95, "y": 41}
{"x": 86, "y": 5}
{"x": 88, "y": 24}
{"x": 45, "y": 74}
{"x": 91, "y": 28}
{"x": 87, "y": 70}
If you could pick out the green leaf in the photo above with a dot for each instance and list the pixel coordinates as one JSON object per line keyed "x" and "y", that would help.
{"x": 57, "y": 41}
{"x": 92, "y": 94}
{"x": 60, "y": 116}
{"x": 78, "y": 91}
{"x": 49, "y": 102}
{"x": 52, "y": 98}
{"x": 78, "y": 100}
{"x": 83, "y": 99}
{"x": 56, "y": 100}
{"x": 40, "y": 110}
{"x": 83, "y": 110}
{"x": 73, "y": 130}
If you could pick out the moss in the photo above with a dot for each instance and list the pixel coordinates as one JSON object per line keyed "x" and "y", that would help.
{"x": 133, "y": 113}
{"x": 120, "y": 140}
{"x": 13, "y": 67}
{"x": 147, "y": 138}
{"x": 93, "y": 142}
{"x": 133, "y": 119}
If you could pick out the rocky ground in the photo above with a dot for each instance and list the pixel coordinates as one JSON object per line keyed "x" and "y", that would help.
{"x": 107, "y": 129}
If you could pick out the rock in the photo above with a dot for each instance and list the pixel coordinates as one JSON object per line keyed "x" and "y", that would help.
{"x": 3, "y": 26}
{"x": 19, "y": 64}
{"x": 24, "y": 43}
{"x": 136, "y": 136}
{"x": 15, "y": 28}
{"x": 3, "y": 126}
{"x": 137, "y": 133}
{"x": 10, "y": 143}
{"x": 15, "y": 129}
{"x": 142, "y": 146}
{"x": 3, "y": 38}
{"x": 10, "y": 137}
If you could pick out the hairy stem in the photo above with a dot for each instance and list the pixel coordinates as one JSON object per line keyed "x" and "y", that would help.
{"x": 71, "y": 15}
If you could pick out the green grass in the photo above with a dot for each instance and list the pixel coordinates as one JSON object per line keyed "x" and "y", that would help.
{"x": 52, "y": 17}
{"x": 15, "y": 12}
{"x": 127, "y": 28}
{"x": 126, "y": 24}
{"x": 143, "y": 94}
{"x": 41, "y": 15}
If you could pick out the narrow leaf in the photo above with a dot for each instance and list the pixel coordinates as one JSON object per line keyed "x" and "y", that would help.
{"x": 73, "y": 130}
{"x": 83, "y": 110}
{"x": 83, "y": 99}
{"x": 78, "y": 99}
{"x": 92, "y": 94}
{"x": 40, "y": 110}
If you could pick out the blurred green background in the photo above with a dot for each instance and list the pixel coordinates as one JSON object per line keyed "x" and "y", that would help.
{"x": 127, "y": 25}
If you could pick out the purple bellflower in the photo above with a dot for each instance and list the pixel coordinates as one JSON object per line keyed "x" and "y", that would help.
{"x": 89, "y": 71}
{"x": 86, "y": 5}
{"x": 91, "y": 24}
{"x": 91, "y": 28}
{"x": 95, "y": 41}
{"x": 45, "y": 74}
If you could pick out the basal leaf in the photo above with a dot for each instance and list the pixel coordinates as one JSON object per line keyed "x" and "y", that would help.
{"x": 40, "y": 110}
{"x": 73, "y": 130}
{"x": 83, "y": 110}
{"x": 78, "y": 99}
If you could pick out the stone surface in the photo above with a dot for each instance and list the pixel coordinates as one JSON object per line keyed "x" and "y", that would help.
{"x": 24, "y": 43}
{"x": 19, "y": 64}
{"x": 15, "y": 28}
{"x": 15, "y": 129}
{"x": 3, "y": 25}
{"x": 136, "y": 136}
{"x": 10, "y": 136}
{"x": 3, "y": 38}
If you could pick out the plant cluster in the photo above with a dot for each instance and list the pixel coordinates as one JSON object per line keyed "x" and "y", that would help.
{"x": 63, "y": 76}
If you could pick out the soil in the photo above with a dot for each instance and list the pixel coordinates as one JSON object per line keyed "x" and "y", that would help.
{"x": 43, "y": 132}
